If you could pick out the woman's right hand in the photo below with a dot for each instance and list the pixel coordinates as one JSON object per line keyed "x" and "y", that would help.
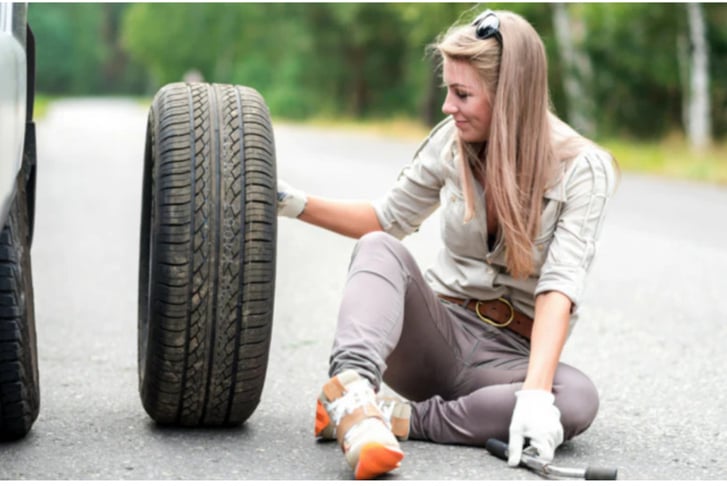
{"x": 291, "y": 201}
{"x": 536, "y": 418}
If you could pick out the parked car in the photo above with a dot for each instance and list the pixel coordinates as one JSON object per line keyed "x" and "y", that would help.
{"x": 19, "y": 385}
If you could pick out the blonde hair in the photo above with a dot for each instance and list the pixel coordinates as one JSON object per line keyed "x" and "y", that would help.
{"x": 526, "y": 143}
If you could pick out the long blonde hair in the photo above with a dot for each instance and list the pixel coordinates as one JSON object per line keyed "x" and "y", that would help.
{"x": 526, "y": 143}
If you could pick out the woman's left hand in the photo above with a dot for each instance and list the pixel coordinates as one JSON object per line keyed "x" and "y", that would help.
{"x": 537, "y": 418}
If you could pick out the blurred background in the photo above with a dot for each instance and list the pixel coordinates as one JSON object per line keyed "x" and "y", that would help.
{"x": 649, "y": 81}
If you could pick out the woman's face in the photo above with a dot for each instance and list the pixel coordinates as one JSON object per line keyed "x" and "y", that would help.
{"x": 467, "y": 101}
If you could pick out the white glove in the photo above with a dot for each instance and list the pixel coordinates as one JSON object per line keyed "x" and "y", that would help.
{"x": 537, "y": 418}
{"x": 291, "y": 201}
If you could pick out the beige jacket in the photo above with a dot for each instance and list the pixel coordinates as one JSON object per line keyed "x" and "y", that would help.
{"x": 571, "y": 222}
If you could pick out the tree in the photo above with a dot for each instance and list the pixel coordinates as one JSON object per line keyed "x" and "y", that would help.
{"x": 68, "y": 57}
{"x": 371, "y": 59}
{"x": 357, "y": 55}
{"x": 570, "y": 30}
{"x": 699, "y": 123}
{"x": 423, "y": 22}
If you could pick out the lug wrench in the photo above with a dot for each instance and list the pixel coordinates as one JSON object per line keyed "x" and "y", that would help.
{"x": 531, "y": 461}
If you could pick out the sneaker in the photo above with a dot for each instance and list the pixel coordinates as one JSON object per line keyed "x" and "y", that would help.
{"x": 396, "y": 412}
{"x": 347, "y": 409}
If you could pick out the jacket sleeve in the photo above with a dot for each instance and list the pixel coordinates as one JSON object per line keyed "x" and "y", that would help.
{"x": 415, "y": 195}
{"x": 588, "y": 187}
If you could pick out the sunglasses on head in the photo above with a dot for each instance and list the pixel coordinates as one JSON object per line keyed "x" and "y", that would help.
{"x": 487, "y": 25}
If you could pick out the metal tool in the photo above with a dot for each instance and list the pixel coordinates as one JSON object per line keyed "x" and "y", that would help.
{"x": 531, "y": 461}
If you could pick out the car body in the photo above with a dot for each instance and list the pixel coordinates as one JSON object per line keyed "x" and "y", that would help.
{"x": 13, "y": 99}
{"x": 19, "y": 384}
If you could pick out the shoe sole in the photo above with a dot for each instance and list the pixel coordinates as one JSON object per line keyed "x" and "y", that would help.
{"x": 376, "y": 459}
{"x": 324, "y": 428}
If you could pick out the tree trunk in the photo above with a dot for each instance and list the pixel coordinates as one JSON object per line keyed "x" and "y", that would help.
{"x": 570, "y": 31}
{"x": 699, "y": 128}
{"x": 683, "y": 60}
{"x": 430, "y": 107}
{"x": 358, "y": 101}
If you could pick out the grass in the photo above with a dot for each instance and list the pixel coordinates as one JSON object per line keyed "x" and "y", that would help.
{"x": 41, "y": 104}
{"x": 672, "y": 157}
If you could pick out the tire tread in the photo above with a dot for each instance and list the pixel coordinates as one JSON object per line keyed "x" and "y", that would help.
{"x": 211, "y": 189}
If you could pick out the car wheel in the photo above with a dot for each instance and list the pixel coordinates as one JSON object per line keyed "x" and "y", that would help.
{"x": 207, "y": 254}
{"x": 19, "y": 384}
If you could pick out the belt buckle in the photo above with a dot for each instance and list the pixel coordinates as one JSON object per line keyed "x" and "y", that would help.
{"x": 490, "y": 321}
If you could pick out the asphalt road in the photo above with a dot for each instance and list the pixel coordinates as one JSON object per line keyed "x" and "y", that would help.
{"x": 652, "y": 336}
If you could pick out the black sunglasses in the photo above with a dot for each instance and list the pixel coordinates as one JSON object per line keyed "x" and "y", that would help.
{"x": 487, "y": 25}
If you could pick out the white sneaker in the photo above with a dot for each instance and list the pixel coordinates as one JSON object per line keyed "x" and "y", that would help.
{"x": 397, "y": 413}
{"x": 395, "y": 410}
{"x": 347, "y": 409}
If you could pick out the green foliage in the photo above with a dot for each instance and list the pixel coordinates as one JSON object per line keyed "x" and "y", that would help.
{"x": 671, "y": 157}
{"x": 366, "y": 60}
{"x": 635, "y": 60}
{"x": 66, "y": 55}
{"x": 77, "y": 51}
{"x": 716, "y": 15}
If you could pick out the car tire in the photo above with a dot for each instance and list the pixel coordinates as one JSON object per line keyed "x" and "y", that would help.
{"x": 207, "y": 254}
{"x": 19, "y": 383}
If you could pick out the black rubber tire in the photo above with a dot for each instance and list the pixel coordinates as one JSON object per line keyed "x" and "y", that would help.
{"x": 207, "y": 254}
{"x": 19, "y": 383}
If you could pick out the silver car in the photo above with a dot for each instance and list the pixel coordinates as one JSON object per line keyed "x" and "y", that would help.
{"x": 19, "y": 390}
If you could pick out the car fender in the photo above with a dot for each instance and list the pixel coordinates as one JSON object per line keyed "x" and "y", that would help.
{"x": 13, "y": 97}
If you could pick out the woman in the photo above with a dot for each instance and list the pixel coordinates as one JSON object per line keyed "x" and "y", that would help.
{"x": 474, "y": 343}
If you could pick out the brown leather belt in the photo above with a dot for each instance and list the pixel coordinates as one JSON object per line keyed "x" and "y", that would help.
{"x": 499, "y": 313}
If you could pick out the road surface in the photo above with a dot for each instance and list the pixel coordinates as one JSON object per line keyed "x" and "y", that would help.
{"x": 652, "y": 335}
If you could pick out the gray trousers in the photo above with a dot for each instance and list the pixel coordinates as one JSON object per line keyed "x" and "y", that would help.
{"x": 460, "y": 373}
